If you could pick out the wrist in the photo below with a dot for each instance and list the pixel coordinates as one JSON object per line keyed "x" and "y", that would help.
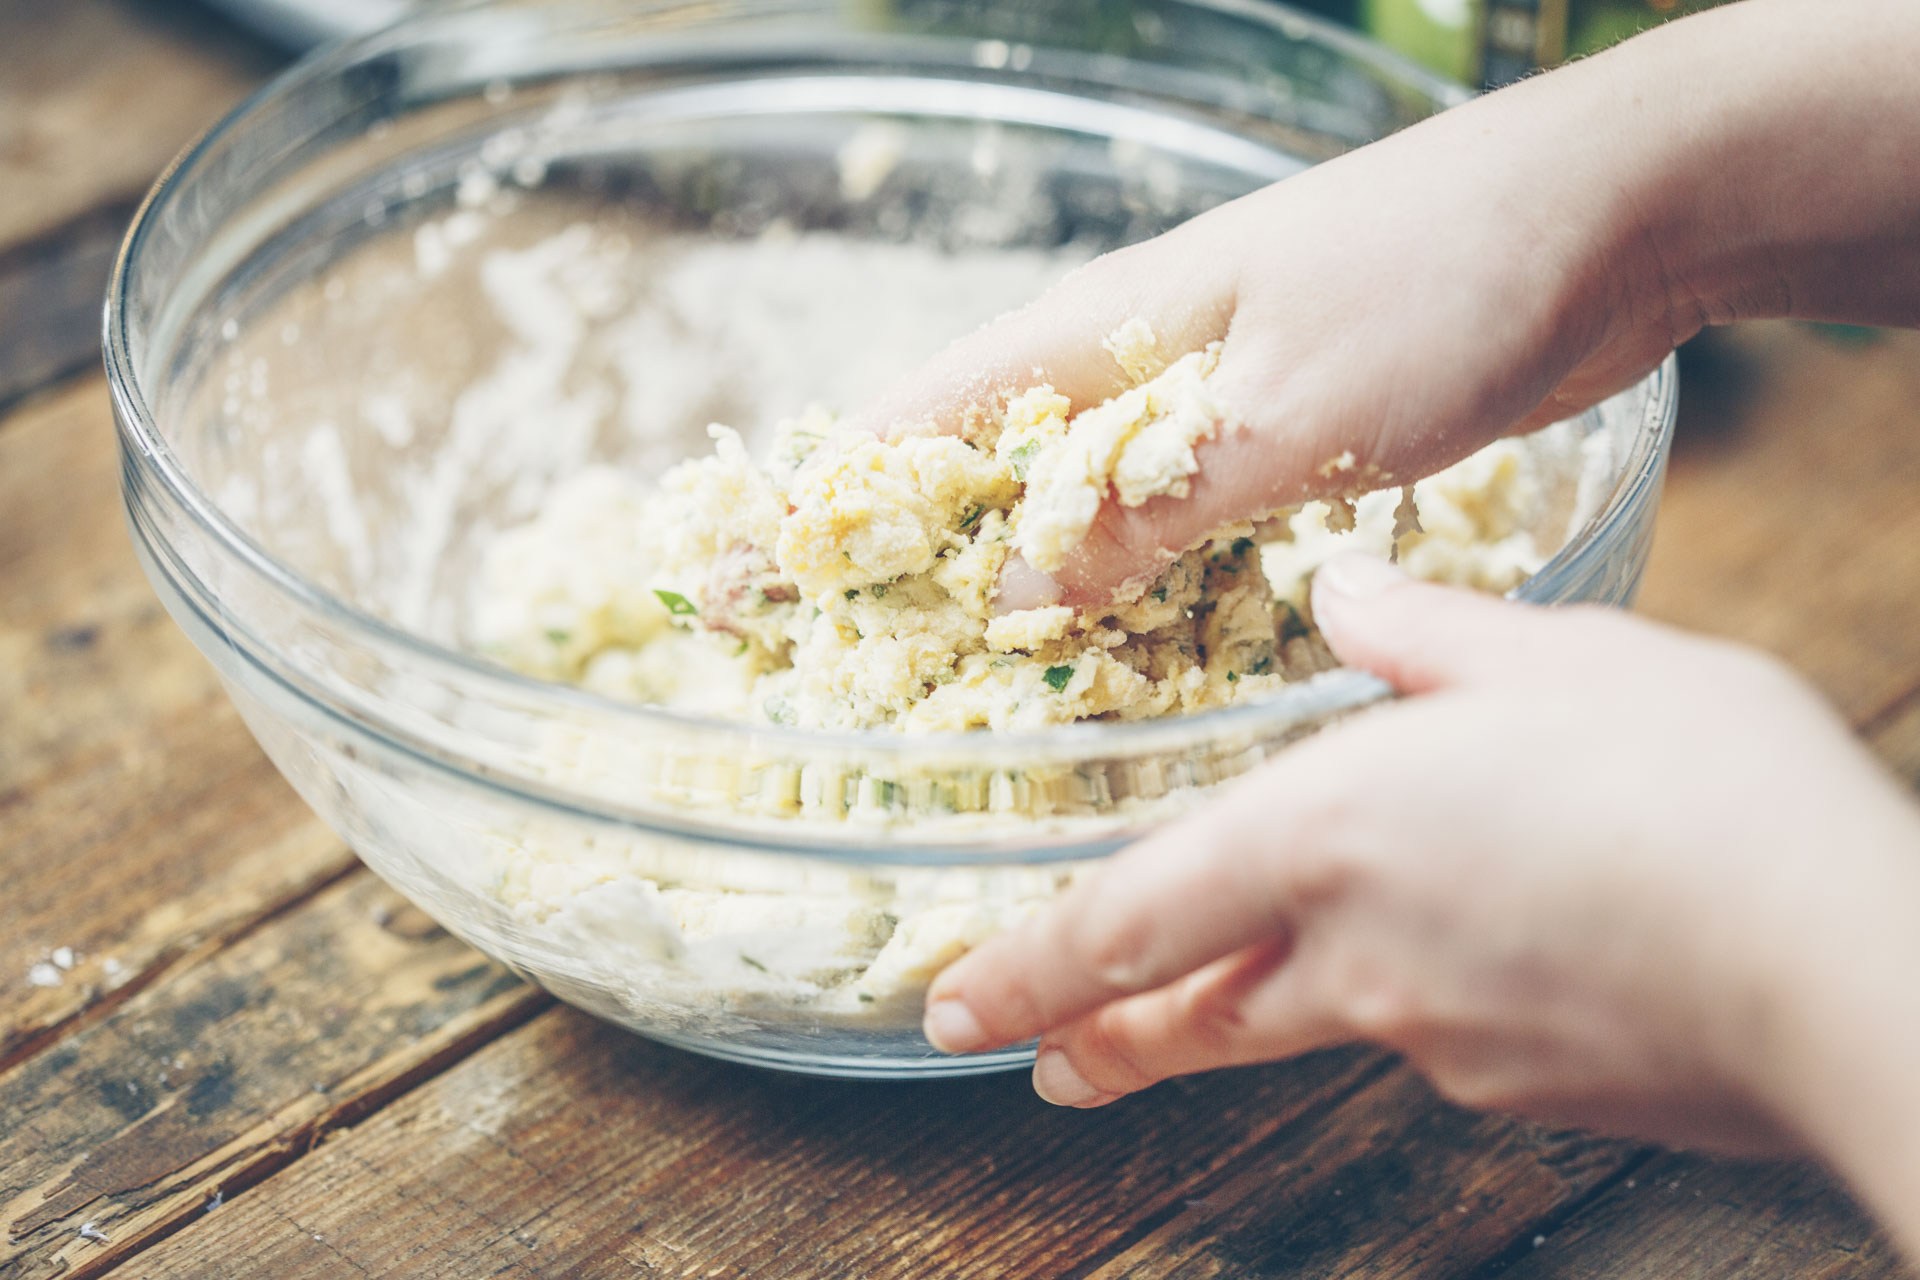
{"x": 1759, "y": 163}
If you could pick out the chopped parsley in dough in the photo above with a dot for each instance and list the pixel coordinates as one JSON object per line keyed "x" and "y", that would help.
{"x": 848, "y": 583}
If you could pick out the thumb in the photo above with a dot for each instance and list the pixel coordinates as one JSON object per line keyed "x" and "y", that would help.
{"x": 1421, "y": 637}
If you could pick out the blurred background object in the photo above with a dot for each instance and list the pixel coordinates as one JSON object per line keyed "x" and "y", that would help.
{"x": 1479, "y": 42}
{"x": 1495, "y": 42}
{"x": 300, "y": 24}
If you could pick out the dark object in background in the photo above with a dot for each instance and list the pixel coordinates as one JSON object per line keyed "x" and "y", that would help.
{"x": 1495, "y": 42}
{"x": 1484, "y": 42}
{"x": 1343, "y": 11}
{"x": 50, "y": 300}
{"x": 301, "y": 24}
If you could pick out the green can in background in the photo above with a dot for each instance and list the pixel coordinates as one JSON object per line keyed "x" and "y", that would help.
{"x": 1494, "y": 42}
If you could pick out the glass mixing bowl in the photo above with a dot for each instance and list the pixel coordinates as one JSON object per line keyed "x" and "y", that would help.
{"x": 381, "y": 309}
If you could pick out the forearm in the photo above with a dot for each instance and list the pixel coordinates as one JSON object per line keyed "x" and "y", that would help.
{"x": 1756, "y": 161}
{"x": 1766, "y": 157}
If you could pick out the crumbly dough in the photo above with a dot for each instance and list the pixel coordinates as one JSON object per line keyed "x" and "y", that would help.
{"x": 848, "y": 584}
{"x": 1136, "y": 446}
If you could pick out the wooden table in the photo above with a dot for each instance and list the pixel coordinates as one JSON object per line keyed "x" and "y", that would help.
{"x": 227, "y": 1050}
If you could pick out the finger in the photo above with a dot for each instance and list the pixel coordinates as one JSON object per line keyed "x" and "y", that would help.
{"x": 1183, "y": 293}
{"x": 1022, "y": 586}
{"x": 1242, "y": 474}
{"x": 1242, "y": 1009}
{"x": 1178, "y": 900}
{"x": 1421, "y": 637}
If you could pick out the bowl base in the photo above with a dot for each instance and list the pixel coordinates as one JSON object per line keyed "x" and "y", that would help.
{"x": 935, "y": 1066}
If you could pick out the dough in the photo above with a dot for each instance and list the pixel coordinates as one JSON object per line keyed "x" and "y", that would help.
{"x": 845, "y": 584}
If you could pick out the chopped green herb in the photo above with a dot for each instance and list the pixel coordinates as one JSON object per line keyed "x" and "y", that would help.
{"x": 742, "y": 650}
{"x": 1233, "y": 677}
{"x": 557, "y": 635}
{"x": 971, "y": 521}
{"x": 853, "y": 593}
{"x": 1292, "y": 625}
{"x": 778, "y": 710}
{"x": 847, "y": 556}
{"x": 884, "y": 792}
{"x": 1058, "y": 677}
{"x": 1160, "y": 594}
{"x": 750, "y": 961}
{"x": 865, "y": 997}
{"x": 1021, "y": 458}
{"x": 879, "y": 590}
{"x": 677, "y": 605}
{"x": 1242, "y": 545}
{"x": 1263, "y": 666}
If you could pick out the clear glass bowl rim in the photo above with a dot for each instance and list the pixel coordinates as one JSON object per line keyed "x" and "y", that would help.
{"x": 146, "y": 450}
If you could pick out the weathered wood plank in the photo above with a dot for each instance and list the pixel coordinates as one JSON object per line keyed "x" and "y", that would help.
{"x": 568, "y": 1149}
{"x": 50, "y": 295}
{"x": 1394, "y": 1183}
{"x": 210, "y": 1081}
{"x": 139, "y": 823}
{"x": 1790, "y": 519}
{"x": 1708, "y": 1220}
{"x": 572, "y": 1149}
{"x": 97, "y": 95}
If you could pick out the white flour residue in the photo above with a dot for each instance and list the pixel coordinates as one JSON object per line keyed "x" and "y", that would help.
{"x": 324, "y": 462}
{"x": 517, "y": 426}
{"x": 745, "y": 332}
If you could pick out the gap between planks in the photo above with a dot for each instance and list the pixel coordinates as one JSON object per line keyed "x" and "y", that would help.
{"x": 307, "y": 1027}
{"x": 1160, "y": 1218}
{"x": 51, "y": 288}
{"x": 1528, "y": 1238}
{"x": 287, "y": 1148}
{"x": 37, "y": 1040}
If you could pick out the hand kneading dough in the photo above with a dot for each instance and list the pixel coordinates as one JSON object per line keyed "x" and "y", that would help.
{"x": 848, "y": 584}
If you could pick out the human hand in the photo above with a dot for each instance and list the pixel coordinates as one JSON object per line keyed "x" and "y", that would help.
{"x": 1590, "y": 870}
{"x": 1381, "y": 316}
{"x": 1505, "y": 264}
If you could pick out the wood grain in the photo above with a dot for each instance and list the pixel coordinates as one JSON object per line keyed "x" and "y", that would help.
{"x": 1687, "y": 1216}
{"x": 140, "y": 826}
{"x": 569, "y": 1149}
{"x": 1394, "y": 1183}
{"x": 50, "y": 294}
{"x": 97, "y": 95}
{"x": 1790, "y": 520}
{"x": 208, "y": 1083}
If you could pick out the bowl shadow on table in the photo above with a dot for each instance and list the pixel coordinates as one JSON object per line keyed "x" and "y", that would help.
{"x": 977, "y": 1171}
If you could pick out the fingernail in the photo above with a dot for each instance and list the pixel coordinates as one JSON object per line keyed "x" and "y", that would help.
{"x": 1022, "y": 586}
{"x": 1356, "y": 575}
{"x": 1055, "y": 1080}
{"x": 950, "y": 1027}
